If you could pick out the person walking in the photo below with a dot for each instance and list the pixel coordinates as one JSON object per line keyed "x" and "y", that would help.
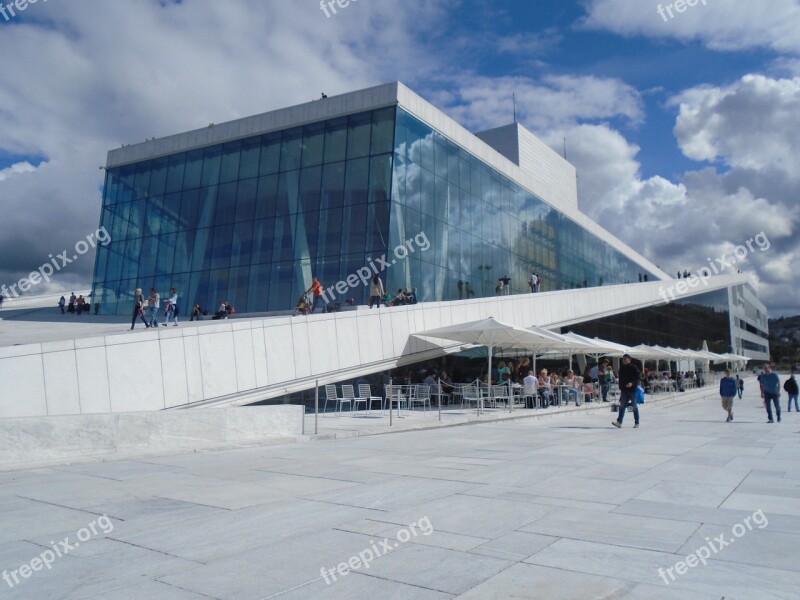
{"x": 727, "y": 391}
{"x": 506, "y": 285}
{"x": 376, "y": 292}
{"x": 138, "y": 308}
{"x": 628, "y": 382}
{"x": 62, "y": 302}
{"x": 316, "y": 290}
{"x": 739, "y": 386}
{"x": 153, "y": 304}
{"x": 790, "y": 387}
{"x": 534, "y": 282}
{"x": 171, "y": 311}
{"x": 72, "y": 299}
{"x": 470, "y": 291}
{"x": 771, "y": 392}
{"x": 460, "y": 286}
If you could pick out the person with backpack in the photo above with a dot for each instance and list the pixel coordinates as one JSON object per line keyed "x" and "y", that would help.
{"x": 790, "y": 387}
{"x": 739, "y": 386}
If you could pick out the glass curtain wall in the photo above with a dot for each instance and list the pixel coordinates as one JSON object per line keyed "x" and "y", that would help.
{"x": 482, "y": 226}
{"x": 250, "y": 221}
{"x": 684, "y": 323}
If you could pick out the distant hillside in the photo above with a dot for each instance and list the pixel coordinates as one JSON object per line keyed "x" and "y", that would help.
{"x": 784, "y": 340}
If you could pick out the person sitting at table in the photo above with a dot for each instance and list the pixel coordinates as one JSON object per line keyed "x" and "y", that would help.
{"x": 571, "y": 386}
{"x": 531, "y": 390}
{"x": 545, "y": 388}
{"x": 446, "y": 383}
{"x": 430, "y": 380}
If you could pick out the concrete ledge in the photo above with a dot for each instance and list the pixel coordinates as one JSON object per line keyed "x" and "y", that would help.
{"x": 36, "y": 440}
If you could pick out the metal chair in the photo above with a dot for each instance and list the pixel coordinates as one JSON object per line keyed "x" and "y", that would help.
{"x": 395, "y": 396}
{"x": 471, "y": 394}
{"x": 365, "y": 391}
{"x": 332, "y": 395}
{"x": 500, "y": 393}
{"x": 421, "y": 395}
{"x": 348, "y": 393}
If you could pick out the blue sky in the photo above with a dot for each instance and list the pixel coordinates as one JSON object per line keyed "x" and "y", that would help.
{"x": 683, "y": 131}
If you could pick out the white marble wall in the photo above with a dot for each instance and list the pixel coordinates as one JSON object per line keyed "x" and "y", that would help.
{"x": 252, "y": 359}
{"x": 31, "y": 440}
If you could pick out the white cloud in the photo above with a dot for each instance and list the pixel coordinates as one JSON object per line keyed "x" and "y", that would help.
{"x": 15, "y": 169}
{"x": 750, "y": 127}
{"x": 87, "y": 77}
{"x": 720, "y": 24}
{"x": 744, "y": 124}
{"x": 554, "y": 100}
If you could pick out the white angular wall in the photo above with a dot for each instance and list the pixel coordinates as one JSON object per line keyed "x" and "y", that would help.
{"x": 253, "y": 359}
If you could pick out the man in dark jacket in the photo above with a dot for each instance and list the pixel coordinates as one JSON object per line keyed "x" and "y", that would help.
{"x": 790, "y": 387}
{"x": 628, "y": 381}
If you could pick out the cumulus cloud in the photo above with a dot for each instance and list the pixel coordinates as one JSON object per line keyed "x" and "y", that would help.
{"x": 546, "y": 103}
{"x": 15, "y": 169}
{"x": 87, "y": 77}
{"x": 749, "y": 128}
{"x": 746, "y": 128}
{"x": 744, "y": 124}
{"x": 719, "y": 24}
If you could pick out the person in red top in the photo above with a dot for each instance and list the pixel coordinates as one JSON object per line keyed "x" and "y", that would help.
{"x": 316, "y": 289}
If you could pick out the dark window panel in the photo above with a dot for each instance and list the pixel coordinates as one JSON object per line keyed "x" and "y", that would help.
{"x": 251, "y": 151}
{"x": 358, "y": 135}
{"x": 335, "y": 139}
{"x": 212, "y": 159}
{"x": 263, "y": 241}
{"x": 231, "y": 155}
{"x": 242, "y": 244}
{"x": 270, "y": 158}
{"x": 287, "y": 193}
{"x": 221, "y": 252}
{"x": 332, "y": 192}
{"x": 246, "y": 197}
{"x": 225, "y": 211}
{"x": 267, "y": 197}
{"x": 175, "y": 173}
{"x": 310, "y": 189}
{"x": 313, "y": 141}
{"x": 193, "y": 172}
{"x": 356, "y": 182}
{"x": 158, "y": 177}
{"x": 201, "y": 244}
{"x": 382, "y": 131}
{"x": 291, "y": 148}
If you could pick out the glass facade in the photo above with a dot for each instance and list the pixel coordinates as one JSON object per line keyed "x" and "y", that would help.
{"x": 252, "y": 221}
{"x": 684, "y": 323}
{"x": 483, "y": 226}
